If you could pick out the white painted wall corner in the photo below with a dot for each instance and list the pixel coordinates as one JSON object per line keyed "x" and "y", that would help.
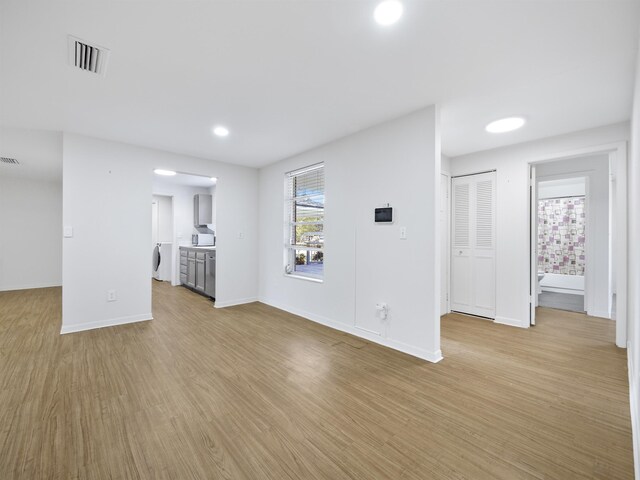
{"x": 238, "y": 301}
{"x": 111, "y": 322}
{"x": 433, "y": 357}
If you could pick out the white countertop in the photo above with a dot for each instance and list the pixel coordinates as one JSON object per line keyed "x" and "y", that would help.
{"x": 199, "y": 247}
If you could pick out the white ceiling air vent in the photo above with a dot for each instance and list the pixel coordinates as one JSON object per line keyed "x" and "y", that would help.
{"x": 89, "y": 57}
{"x": 9, "y": 161}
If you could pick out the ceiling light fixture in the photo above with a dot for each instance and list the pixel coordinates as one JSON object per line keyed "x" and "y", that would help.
{"x": 505, "y": 125}
{"x": 388, "y": 12}
{"x": 221, "y": 131}
{"x": 166, "y": 173}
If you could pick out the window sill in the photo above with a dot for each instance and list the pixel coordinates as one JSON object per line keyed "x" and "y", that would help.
{"x": 301, "y": 277}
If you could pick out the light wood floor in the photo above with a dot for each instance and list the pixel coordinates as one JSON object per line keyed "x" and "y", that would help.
{"x": 251, "y": 392}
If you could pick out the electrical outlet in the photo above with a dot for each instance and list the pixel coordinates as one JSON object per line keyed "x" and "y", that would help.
{"x": 241, "y": 235}
{"x": 111, "y": 296}
{"x": 382, "y": 310}
{"x": 403, "y": 233}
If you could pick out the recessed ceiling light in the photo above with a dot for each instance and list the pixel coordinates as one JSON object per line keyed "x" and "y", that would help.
{"x": 221, "y": 131}
{"x": 505, "y": 125}
{"x": 166, "y": 173}
{"x": 388, "y": 12}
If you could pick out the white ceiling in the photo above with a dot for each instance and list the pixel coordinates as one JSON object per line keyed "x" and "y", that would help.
{"x": 286, "y": 76}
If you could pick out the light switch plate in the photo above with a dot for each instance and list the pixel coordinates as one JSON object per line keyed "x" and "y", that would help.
{"x": 403, "y": 233}
{"x": 68, "y": 232}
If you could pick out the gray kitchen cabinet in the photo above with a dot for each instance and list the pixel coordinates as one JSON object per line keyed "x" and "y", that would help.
{"x": 210, "y": 274}
{"x": 202, "y": 209}
{"x": 198, "y": 270}
{"x": 191, "y": 269}
{"x": 183, "y": 266}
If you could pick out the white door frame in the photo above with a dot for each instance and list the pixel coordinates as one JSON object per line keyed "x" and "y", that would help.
{"x": 175, "y": 249}
{"x": 617, "y": 153}
{"x": 533, "y": 244}
{"x": 446, "y": 262}
{"x": 493, "y": 315}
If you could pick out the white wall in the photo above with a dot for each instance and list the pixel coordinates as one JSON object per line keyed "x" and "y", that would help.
{"x": 445, "y": 164}
{"x": 597, "y": 273}
{"x": 633, "y": 272}
{"x": 214, "y": 206}
{"x": 107, "y": 191}
{"x": 568, "y": 187}
{"x": 397, "y": 162}
{"x": 30, "y": 209}
{"x": 511, "y": 163}
{"x": 30, "y": 233}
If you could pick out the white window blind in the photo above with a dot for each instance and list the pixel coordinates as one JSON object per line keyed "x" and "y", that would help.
{"x": 304, "y": 222}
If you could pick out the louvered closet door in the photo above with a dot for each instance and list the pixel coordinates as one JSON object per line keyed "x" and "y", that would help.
{"x": 473, "y": 277}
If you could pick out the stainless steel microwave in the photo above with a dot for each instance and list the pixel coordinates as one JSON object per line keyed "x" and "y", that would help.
{"x": 201, "y": 239}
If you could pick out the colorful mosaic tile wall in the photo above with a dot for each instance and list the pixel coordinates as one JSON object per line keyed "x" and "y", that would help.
{"x": 561, "y": 235}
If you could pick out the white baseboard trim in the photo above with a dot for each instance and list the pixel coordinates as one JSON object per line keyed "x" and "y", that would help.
{"x": 633, "y": 404}
{"x": 511, "y": 322}
{"x": 111, "y": 322}
{"x": 600, "y": 314}
{"x": 433, "y": 357}
{"x": 231, "y": 303}
{"x": 29, "y": 287}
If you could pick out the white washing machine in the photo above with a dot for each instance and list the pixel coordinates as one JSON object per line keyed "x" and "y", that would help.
{"x": 161, "y": 261}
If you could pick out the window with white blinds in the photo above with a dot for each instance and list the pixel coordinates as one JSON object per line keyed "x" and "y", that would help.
{"x": 304, "y": 222}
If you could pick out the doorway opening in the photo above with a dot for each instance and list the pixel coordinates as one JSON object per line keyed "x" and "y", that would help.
{"x": 561, "y": 242}
{"x": 161, "y": 237}
{"x": 183, "y": 221}
{"x": 578, "y": 234}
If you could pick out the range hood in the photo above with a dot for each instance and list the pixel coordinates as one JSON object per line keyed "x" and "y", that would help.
{"x": 202, "y": 210}
{"x": 204, "y": 230}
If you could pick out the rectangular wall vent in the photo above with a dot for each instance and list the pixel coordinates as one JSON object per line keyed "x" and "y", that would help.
{"x": 9, "y": 161}
{"x": 88, "y": 57}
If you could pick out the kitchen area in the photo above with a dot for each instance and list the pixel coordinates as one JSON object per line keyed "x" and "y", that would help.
{"x": 188, "y": 224}
{"x": 198, "y": 261}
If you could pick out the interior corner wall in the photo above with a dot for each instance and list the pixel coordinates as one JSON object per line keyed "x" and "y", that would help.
{"x": 397, "y": 162}
{"x": 512, "y": 173}
{"x": 30, "y": 209}
{"x": 107, "y": 189}
{"x": 30, "y": 233}
{"x": 445, "y": 164}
